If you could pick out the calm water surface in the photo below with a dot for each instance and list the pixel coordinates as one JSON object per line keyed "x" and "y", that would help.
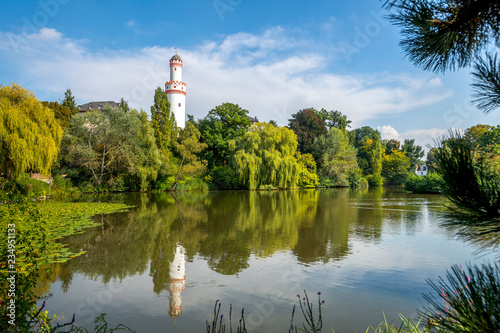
{"x": 161, "y": 266}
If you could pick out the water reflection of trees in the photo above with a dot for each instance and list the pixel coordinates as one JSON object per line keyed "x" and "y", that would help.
{"x": 226, "y": 229}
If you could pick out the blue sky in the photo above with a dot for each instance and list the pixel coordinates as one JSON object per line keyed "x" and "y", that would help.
{"x": 273, "y": 58}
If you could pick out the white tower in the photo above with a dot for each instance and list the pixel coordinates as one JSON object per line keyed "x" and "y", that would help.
{"x": 177, "y": 282}
{"x": 176, "y": 91}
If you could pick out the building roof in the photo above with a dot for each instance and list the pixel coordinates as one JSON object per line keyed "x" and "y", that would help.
{"x": 253, "y": 119}
{"x": 97, "y": 105}
{"x": 176, "y": 57}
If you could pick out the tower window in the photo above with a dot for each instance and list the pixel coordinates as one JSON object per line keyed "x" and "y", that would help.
{"x": 179, "y": 104}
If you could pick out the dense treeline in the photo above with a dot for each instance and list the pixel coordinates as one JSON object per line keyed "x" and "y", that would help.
{"x": 123, "y": 149}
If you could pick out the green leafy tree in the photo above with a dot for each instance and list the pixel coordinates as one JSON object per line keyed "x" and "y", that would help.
{"x": 164, "y": 124}
{"x": 490, "y": 139}
{"x": 224, "y": 123}
{"x": 187, "y": 147}
{"x": 440, "y": 35}
{"x": 61, "y": 112}
{"x": 413, "y": 151}
{"x": 359, "y": 135}
{"x": 307, "y": 170}
{"x": 265, "y": 157}
{"x": 105, "y": 143}
{"x": 69, "y": 101}
{"x": 30, "y": 135}
{"x": 336, "y": 156}
{"x": 390, "y": 145}
{"x": 149, "y": 159}
{"x": 395, "y": 167}
{"x": 124, "y": 105}
{"x": 370, "y": 160}
{"x": 334, "y": 118}
{"x": 474, "y": 133}
{"x": 369, "y": 146}
{"x": 432, "y": 161}
{"x": 307, "y": 126}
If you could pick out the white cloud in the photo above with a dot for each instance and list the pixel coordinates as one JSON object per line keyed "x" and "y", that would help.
{"x": 46, "y": 34}
{"x": 268, "y": 74}
{"x": 388, "y": 132}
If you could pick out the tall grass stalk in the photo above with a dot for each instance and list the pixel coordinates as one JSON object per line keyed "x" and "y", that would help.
{"x": 407, "y": 325}
{"x": 466, "y": 301}
{"x": 311, "y": 324}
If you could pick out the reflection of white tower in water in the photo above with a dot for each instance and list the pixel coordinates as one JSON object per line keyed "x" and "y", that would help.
{"x": 177, "y": 282}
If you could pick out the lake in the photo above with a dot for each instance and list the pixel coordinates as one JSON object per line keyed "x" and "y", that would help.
{"x": 161, "y": 266}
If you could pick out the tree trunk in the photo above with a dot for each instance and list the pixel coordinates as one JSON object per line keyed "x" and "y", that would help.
{"x": 8, "y": 171}
{"x": 102, "y": 165}
{"x": 177, "y": 176}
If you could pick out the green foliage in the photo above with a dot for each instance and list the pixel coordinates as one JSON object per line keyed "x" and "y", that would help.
{"x": 429, "y": 184}
{"x": 486, "y": 84}
{"x": 69, "y": 102}
{"x": 441, "y": 35}
{"x": 489, "y": 141}
{"x": 413, "y": 151}
{"x": 307, "y": 126}
{"x": 32, "y": 187}
{"x": 432, "y": 161}
{"x": 164, "y": 183}
{"x": 395, "y": 167}
{"x": 466, "y": 301}
{"x": 369, "y": 151}
{"x": 107, "y": 145}
{"x": 390, "y": 145}
{"x": 163, "y": 121}
{"x": 446, "y": 35}
{"x": 336, "y": 156}
{"x": 224, "y": 178}
{"x": 375, "y": 180}
{"x": 265, "y": 156}
{"x": 356, "y": 179}
{"x": 307, "y": 170}
{"x": 476, "y": 132}
{"x": 370, "y": 156}
{"x": 30, "y": 245}
{"x": 407, "y": 325}
{"x": 358, "y": 136}
{"x": 192, "y": 184}
{"x": 60, "y": 219}
{"x": 149, "y": 155}
{"x": 61, "y": 113}
{"x": 333, "y": 118}
{"x": 35, "y": 229}
{"x": 29, "y": 133}
{"x": 469, "y": 181}
{"x": 187, "y": 147}
{"x": 223, "y": 124}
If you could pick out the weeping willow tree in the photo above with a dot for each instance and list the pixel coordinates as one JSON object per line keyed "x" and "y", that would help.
{"x": 266, "y": 157}
{"x": 29, "y": 133}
